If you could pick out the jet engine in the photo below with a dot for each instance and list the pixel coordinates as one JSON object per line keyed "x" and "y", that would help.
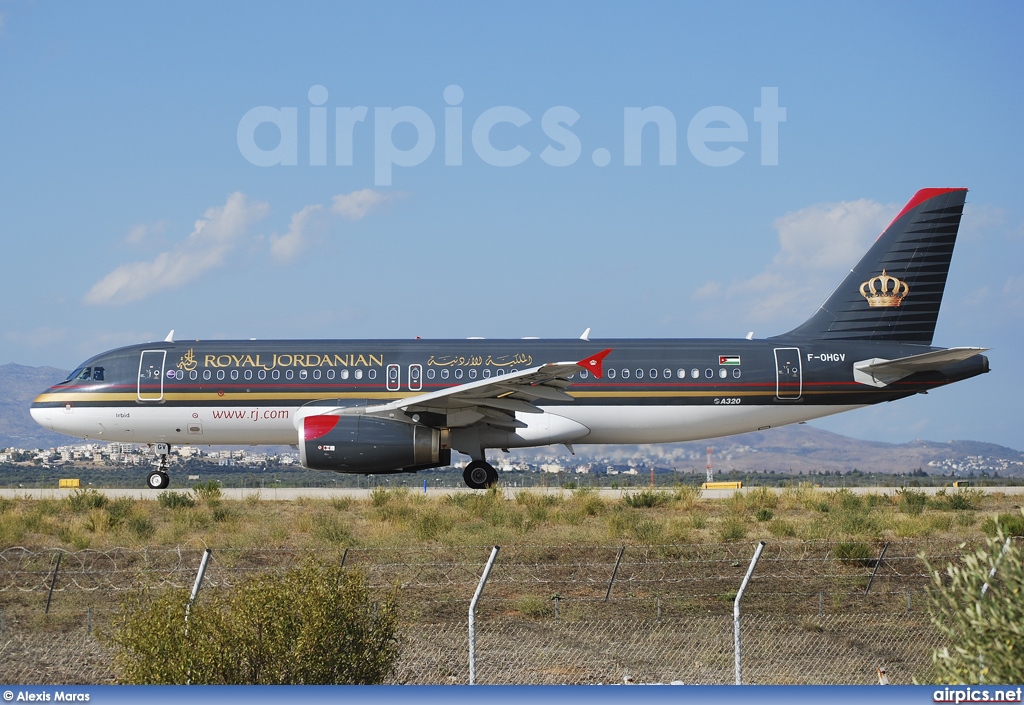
{"x": 364, "y": 444}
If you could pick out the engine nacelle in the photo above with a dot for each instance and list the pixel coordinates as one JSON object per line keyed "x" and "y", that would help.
{"x": 363, "y": 444}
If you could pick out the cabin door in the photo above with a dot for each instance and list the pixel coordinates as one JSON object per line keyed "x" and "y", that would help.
{"x": 151, "y": 375}
{"x": 789, "y": 381}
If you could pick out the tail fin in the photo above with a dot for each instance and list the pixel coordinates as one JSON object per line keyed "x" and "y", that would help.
{"x": 894, "y": 292}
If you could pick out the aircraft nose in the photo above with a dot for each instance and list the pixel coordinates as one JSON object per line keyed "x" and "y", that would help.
{"x": 41, "y": 415}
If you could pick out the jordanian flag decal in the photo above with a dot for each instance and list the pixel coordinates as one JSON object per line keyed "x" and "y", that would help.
{"x": 728, "y": 359}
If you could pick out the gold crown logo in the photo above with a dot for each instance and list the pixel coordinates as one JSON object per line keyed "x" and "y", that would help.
{"x": 884, "y": 291}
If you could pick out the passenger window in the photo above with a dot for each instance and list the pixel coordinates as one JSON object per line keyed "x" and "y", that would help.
{"x": 372, "y": 374}
{"x": 695, "y": 373}
{"x": 316, "y": 374}
{"x": 639, "y": 374}
{"x": 611, "y": 373}
{"x": 206, "y": 375}
{"x": 736, "y": 372}
{"x": 180, "y": 374}
{"x": 303, "y": 374}
{"x": 499, "y": 372}
{"x": 681, "y": 373}
{"x": 220, "y": 374}
{"x": 584, "y": 374}
{"x": 472, "y": 374}
{"x": 458, "y": 374}
{"x": 248, "y": 374}
{"x": 625, "y": 374}
{"x": 234, "y": 374}
{"x": 276, "y": 374}
{"x": 723, "y": 373}
{"x": 343, "y": 374}
{"x": 330, "y": 374}
{"x": 430, "y": 373}
{"x": 444, "y": 373}
{"x": 709, "y": 373}
{"x": 486, "y": 373}
{"x": 193, "y": 375}
{"x": 288, "y": 374}
{"x": 358, "y": 374}
{"x": 262, "y": 374}
{"x": 654, "y": 374}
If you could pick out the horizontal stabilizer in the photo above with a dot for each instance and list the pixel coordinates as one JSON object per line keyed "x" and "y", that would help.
{"x": 879, "y": 373}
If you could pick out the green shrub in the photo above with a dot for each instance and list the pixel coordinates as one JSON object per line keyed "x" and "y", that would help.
{"x": 120, "y": 509}
{"x": 84, "y": 500}
{"x": 964, "y": 499}
{"x": 175, "y": 500}
{"x": 6, "y": 504}
{"x": 911, "y": 501}
{"x": 732, "y": 529}
{"x": 764, "y": 514}
{"x": 317, "y": 624}
{"x": 646, "y": 499}
{"x": 853, "y": 552}
{"x": 141, "y": 527}
{"x": 1010, "y": 524}
{"x": 208, "y": 492}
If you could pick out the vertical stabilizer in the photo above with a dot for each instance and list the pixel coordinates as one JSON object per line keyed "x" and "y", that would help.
{"x": 894, "y": 292}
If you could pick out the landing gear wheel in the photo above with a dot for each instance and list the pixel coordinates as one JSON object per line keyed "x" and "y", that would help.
{"x": 479, "y": 475}
{"x": 158, "y": 480}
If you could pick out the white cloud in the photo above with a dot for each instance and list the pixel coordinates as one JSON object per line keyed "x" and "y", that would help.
{"x": 817, "y": 245}
{"x": 211, "y": 240}
{"x": 286, "y": 247}
{"x": 359, "y": 204}
{"x": 142, "y": 232}
{"x": 351, "y": 206}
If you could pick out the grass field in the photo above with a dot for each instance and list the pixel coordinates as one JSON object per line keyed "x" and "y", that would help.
{"x": 400, "y": 517}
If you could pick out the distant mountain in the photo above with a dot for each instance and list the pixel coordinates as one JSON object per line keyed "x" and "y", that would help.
{"x": 797, "y": 448}
{"x": 19, "y": 385}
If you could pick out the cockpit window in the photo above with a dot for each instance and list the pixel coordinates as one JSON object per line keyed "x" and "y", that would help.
{"x": 84, "y": 374}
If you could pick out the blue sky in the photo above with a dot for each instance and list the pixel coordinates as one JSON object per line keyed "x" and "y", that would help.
{"x": 130, "y": 203}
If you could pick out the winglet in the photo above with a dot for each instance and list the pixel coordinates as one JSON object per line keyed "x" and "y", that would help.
{"x": 592, "y": 364}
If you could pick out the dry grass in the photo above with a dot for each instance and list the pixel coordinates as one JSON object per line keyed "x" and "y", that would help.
{"x": 401, "y": 518}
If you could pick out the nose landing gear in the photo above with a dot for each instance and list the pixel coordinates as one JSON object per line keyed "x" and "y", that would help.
{"x": 159, "y": 479}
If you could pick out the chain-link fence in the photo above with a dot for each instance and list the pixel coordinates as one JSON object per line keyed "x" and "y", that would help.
{"x": 549, "y": 614}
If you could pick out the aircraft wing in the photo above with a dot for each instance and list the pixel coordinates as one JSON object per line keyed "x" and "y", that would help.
{"x": 879, "y": 373}
{"x": 494, "y": 400}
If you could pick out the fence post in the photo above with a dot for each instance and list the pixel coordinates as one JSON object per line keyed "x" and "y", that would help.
{"x": 659, "y": 608}
{"x": 615, "y": 572}
{"x": 992, "y": 573}
{"x": 821, "y": 604}
{"x": 875, "y": 571}
{"x": 198, "y": 582}
{"x": 472, "y": 615}
{"x": 88, "y": 622}
{"x": 736, "y": 611}
{"x": 53, "y": 583}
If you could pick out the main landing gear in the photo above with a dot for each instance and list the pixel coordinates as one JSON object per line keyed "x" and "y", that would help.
{"x": 159, "y": 479}
{"x": 479, "y": 475}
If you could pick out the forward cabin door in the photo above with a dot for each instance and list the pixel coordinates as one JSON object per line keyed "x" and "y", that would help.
{"x": 789, "y": 382}
{"x": 151, "y": 375}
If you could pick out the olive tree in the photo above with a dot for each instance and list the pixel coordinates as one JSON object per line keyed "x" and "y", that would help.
{"x": 984, "y": 625}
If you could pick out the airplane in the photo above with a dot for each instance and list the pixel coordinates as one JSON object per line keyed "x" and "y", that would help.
{"x": 387, "y": 406}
